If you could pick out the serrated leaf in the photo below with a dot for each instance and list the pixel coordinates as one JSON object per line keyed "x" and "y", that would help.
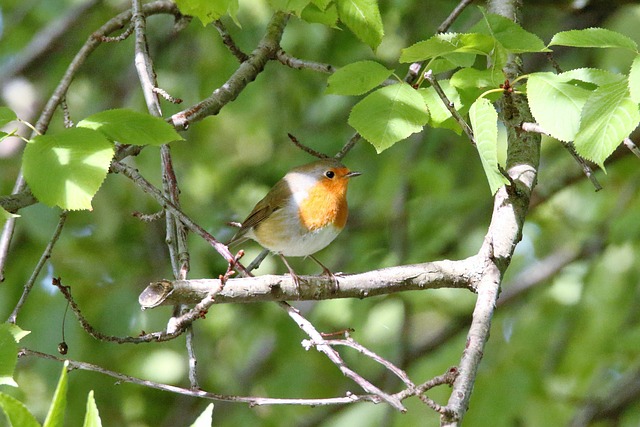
{"x": 8, "y": 355}
{"x": 205, "y": 419}
{"x": 448, "y": 43}
{"x": 509, "y": 34}
{"x": 357, "y": 78}
{"x": 439, "y": 114}
{"x": 55, "y": 416}
{"x": 363, "y": 18}
{"x": 466, "y": 78}
{"x": 131, "y": 127}
{"x": 208, "y": 11}
{"x": 326, "y": 16}
{"x": 16, "y": 412}
{"x": 634, "y": 80}
{"x": 484, "y": 122}
{"x": 608, "y": 116}
{"x": 7, "y": 115}
{"x": 591, "y": 75}
{"x": 92, "y": 416}
{"x": 556, "y": 104}
{"x": 66, "y": 169}
{"x": 389, "y": 115}
{"x": 593, "y": 37}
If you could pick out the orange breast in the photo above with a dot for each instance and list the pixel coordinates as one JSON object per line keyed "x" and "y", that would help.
{"x": 325, "y": 204}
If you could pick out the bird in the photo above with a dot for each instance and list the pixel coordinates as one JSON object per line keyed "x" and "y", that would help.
{"x": 301, "y": 214}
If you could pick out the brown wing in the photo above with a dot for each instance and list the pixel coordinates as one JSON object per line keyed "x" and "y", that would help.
{"x": 273, "y": 201}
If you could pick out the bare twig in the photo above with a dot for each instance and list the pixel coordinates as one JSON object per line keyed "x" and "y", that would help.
{"x": 46, "y": 254}
{"x": 631, "y": 146}
{"x": 121, "y": 37}
{"x": 535, "y": 127}
{"x": 228, "y": 41}
{"x": 348, "y": 146}
{"x": 301, "y": 64}
{"x": 306, "y": 149}
{"x": 453, "y": 15}
{"x": 334, "y": 356}
{"x": 431, "y": 78}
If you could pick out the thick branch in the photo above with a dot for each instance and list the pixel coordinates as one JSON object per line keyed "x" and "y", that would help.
{"x": 432, "y": 275}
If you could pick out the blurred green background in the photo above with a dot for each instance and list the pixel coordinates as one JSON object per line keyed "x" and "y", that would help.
{"x": 570, "y": 338}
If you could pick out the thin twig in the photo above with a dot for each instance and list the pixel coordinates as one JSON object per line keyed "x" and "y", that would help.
{"x": 348, "y": 146}
{"x": 121, "y": 37}
{"x": 453, "y": 15}
{"x": 535, "y": 127}
{"x": 431, "y": 78}
{"x": 306, "y": 149}
{"x": 46, "y": 254}
{"x": 229, "y": 42}
{"x": 301, "y": 64}
{"x": 334, "y": 356}
{"x": 631, "y": 146}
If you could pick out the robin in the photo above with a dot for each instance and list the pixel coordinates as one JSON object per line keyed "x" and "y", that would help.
{"x": 302, "y": 213}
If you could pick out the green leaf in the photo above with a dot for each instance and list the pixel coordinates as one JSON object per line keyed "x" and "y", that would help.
{"x": 634, "y": 80}
{"x": 205, "y": 419}
{"x": 509, "y": 34}
{"x": 8, "y": 355}
{"x": 315, "y": 15}
{"x": 5, "y": 215}
{"x": 16, "y": 412}
{"x": 92, "y": 416}
{"x": 466, "y": 78}
{"x": 55, "y": 416}
{"x": 131, "y": 127}
{"x": 7, "y": 115}
{"x": 556, "y": 104}
{"x": 440, "y": 116}
{"x": 389, "y": 115}
{"x": 294, "y": 6}
{"x": 591, "y": 75}
{"x": 363, "y": 18}
{"x": 66, "y": 169}
{"x": 17, "y": 332}
{"x": 448, "y": 43}
{"x": 609, "y": 116}
{"x": 484, "y": 122}
{"x": 208, "y": 11}
{"x": 593, "y": 37}
{"x": 357, "y": 78}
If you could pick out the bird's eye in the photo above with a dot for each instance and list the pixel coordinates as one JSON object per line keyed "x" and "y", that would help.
{"x": 330, "y": 174}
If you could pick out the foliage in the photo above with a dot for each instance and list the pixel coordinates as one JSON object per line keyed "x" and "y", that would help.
{"x": 555, "y": 348}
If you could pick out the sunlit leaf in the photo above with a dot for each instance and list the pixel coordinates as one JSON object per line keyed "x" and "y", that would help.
{"x": 509, "y": 34}
{"x": 208, "y": 11}
{"x": 357, "y": 78}
{"x": 484, "y": 122}
{"x": 4, "y": 215}
{"x": 131, "y": 127}
{"x": 66, "y": 169}
{"x": 634, "y": 80}
{"x": 448, "y": 43}
{"x": 591, "y": 75}
{"x": 556, "y": 104}
{"x": 55, "y": 416}
{"x": 609, "y": 116}
{"x": 389, "y": 115}
{"x": 8, "y": 355}
{"x": 439, "y": 114}
{"x": 363, "y": 18}
{"x": 92, "y": 416}
{"x": 593, "y": 37}
{"x": 206, "y": 417}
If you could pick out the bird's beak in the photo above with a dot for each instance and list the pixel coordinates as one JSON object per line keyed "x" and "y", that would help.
{"x": 352, "y": 174}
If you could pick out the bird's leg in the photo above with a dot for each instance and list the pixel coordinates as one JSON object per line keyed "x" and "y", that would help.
{"x": 294, "y": 276}
{"x": 334, "y": 280}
